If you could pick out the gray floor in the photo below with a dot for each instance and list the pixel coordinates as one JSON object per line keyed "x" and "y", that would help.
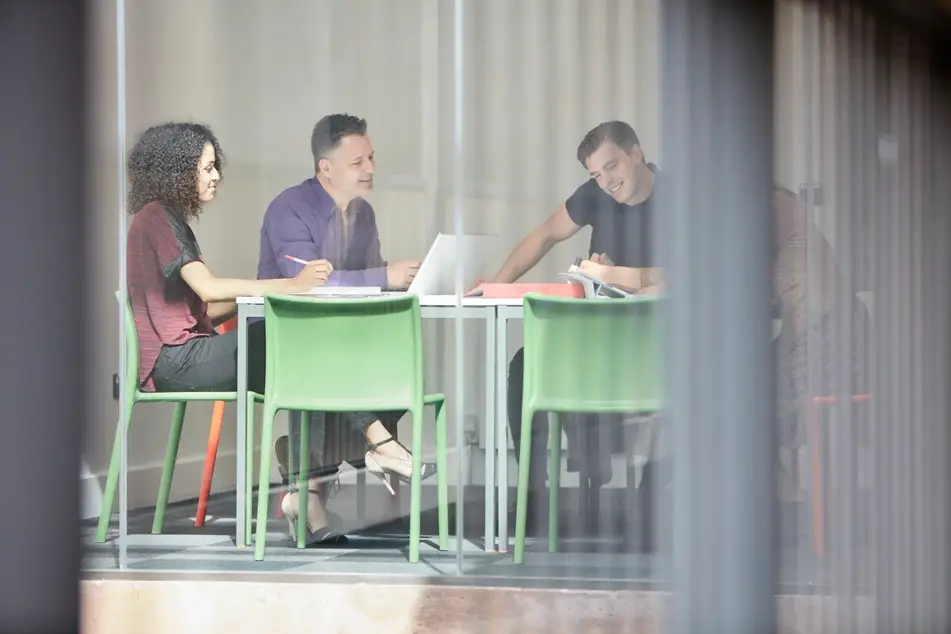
{"x": 378, "y": 546}
{"x": 378, "y": 550}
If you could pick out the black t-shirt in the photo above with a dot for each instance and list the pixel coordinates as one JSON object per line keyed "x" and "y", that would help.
{"x": 622, "y": 232}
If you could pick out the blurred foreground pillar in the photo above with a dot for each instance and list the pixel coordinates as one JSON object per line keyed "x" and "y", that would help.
{"x": 42, "y": 204}
{"x": 715, "y": 239}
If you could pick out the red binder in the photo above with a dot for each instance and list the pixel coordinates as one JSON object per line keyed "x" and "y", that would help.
{"x": 513, "y": 291}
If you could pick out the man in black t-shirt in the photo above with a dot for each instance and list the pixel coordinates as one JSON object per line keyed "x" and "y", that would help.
{"x": 617, "y": 203}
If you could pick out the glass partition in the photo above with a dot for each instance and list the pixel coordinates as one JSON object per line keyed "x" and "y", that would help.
{"x": 469, "y": 140}
{"x": 515, "y": 148}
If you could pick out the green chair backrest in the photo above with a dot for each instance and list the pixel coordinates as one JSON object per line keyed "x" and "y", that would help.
{"x": 131, "y": 349}
{"x": 594, "y": 355}
{"x": 329, "y": 353}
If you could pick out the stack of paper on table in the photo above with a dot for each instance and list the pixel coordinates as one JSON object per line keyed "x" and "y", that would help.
{"x": 343, "y": 291}
{"x": 593, "y": 287}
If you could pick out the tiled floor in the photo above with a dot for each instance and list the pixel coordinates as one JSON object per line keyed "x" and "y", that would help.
{"x": 378, "y": 546}
{"x": 378, "y": 550}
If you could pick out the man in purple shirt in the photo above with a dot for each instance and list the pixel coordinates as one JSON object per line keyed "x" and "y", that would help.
{"x": 326, "y": 217}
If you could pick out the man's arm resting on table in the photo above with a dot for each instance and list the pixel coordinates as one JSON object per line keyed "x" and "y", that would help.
{"x": 365, "y": 277}
{"x": 628, "y": 278}
{"x": 653, "y": 289}
{"x": 558, "y": 228}
{"x": 213, "y": 289}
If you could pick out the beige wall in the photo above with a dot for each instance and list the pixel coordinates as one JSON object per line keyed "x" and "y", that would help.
{"x": 810, "y": 67}
{"x": 262, "y": 74}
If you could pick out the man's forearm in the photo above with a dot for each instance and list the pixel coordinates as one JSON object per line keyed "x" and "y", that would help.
{"x": 375, "y": 276}
{"x": 523, "y": 258}
{"x": 630, "y": 278}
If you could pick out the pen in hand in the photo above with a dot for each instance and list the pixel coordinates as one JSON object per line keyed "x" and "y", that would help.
{"x": 298, "y": 260}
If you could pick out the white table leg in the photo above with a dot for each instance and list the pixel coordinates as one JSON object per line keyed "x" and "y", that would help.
{"x": 240, "y": 538}
{"x": 501, "y": 420}
{"x": 491, "y": 371}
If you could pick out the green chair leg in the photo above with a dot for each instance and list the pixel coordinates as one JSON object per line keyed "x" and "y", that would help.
{"x": 442, "y": 476}
{"x": 416, "y": 486}
{"x": 524, "y": 467}
{"x": 303, "y": 482}
{"x": 112, "y": 480}
{"x": 554, "y": 478}
{"x": 168, "y": 469}
{"x": 248, "y": 468}
{"x": 264, "y": 482}
{"x": 291, "y": 470}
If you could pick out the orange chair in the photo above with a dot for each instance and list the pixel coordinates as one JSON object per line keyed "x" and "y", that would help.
{"x": 214, "y": 435}
{"x": 811, "y": 407}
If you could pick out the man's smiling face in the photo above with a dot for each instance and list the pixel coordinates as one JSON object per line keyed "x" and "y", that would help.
{"x": 615, "y": 170}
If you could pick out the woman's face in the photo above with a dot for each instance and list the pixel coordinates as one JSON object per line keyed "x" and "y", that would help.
{"x": 208, "y": 176}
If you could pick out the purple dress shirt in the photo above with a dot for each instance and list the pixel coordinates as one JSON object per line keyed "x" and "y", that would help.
{"x": 304, "y": 222}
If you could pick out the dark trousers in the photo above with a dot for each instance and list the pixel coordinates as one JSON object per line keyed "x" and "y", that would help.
{"x": 206, "y": 364}
{"x": 538, "y": 469}
{"x": 210, "y": 364}
{"x": 589, "y": 435}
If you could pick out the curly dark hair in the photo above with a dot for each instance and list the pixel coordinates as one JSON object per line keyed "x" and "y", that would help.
{"x": 163, "y": 166}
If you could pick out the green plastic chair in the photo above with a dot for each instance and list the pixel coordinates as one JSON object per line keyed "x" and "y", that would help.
{"x": 344, "y": 355}
{"x": 134, "y": 395}
{"x": 593, "y": 356}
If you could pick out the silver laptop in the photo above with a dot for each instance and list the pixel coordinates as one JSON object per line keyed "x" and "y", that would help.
{"x": 437, "y": 274}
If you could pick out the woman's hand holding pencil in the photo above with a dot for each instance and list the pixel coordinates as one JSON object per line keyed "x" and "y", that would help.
{"x": 313, "y": 274}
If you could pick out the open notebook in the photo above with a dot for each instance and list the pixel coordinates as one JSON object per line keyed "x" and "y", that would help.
{"x": 593, "y": 287}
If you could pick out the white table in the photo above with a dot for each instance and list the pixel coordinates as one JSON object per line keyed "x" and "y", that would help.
{"x": 506, "y": 310}
{"x": 433, "y": 307}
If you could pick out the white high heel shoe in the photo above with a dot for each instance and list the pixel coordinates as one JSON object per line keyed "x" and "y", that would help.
{"x": 321, "y": 537}
{"x": 403, "y": 473}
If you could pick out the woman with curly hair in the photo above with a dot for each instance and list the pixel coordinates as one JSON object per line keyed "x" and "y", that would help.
{"x": 174, "y": 169}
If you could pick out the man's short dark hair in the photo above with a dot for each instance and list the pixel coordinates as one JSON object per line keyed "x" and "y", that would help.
{"x": 617, "y": 132}
{"x": 330, "y": 130}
